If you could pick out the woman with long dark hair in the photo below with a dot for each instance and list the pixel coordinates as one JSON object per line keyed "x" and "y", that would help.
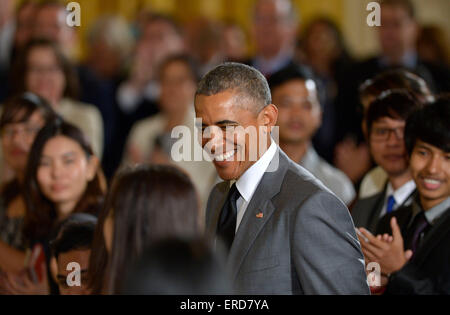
{"x": 63, "y": 176}
{"x": 21, "y": 119}
{"x": 144, "y": 204}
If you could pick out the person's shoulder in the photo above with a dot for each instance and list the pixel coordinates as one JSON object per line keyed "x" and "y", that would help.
{"x": 300, "y": 184}
{"x": 71, "y": 105}
{"x": 373, "y": 182}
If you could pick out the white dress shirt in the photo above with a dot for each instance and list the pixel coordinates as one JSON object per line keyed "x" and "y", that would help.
{"x": 401, "y": 196}
{"x": 249, "y": 181}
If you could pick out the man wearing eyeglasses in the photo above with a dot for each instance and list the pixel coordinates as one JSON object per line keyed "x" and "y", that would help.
{"x": 386, "y": 118}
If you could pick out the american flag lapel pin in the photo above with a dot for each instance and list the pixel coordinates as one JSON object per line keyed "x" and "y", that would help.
{"x": 260, "y": 215}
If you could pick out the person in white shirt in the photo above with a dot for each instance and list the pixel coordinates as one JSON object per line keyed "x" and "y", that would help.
{"x": 294, "y": 92}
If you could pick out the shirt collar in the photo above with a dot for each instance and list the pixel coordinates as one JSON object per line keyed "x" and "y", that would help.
{"x": 249, "y": 181}
{"x": 409, "y": 60}
{"x": 310, "y": 159}
{"x": 433, "y": 214}
{"x": 402, "y": 193}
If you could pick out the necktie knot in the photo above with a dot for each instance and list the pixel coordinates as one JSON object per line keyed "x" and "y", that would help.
{"x": 390, "y": 204}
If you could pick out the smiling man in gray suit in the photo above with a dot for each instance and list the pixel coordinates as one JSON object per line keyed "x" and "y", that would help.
{"x": 286, "y": 233}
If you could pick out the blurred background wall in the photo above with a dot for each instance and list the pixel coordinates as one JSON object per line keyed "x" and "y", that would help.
{"x": 350, "y": 15}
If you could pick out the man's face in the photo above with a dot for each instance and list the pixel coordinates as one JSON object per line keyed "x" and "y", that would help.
{"x": 398, "y": 31}
{"x": 387, "y": 146}
{"x": 64, "y": 259}
{"x": 430, "y": 168}
{"x": 273, "y": 28}
{"x": 299, "y": 110}
{"x": 50, "y": 23}
{"x": 232, "y": 151}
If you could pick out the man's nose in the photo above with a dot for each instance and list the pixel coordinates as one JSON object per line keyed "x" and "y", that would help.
{"x": 434, "y": 165}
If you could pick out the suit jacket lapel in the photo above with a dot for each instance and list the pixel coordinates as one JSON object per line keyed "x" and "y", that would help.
{"x": 258, "y": 212}
{"x": 223, "y": 189}
{"x": 434, "y": 237}
{"x": 375, "y": 215}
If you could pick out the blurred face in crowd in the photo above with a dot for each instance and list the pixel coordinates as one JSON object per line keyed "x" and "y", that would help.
{"x": 65, "y": 171}
{"x": 232, "y": 151}
{"x": 398, "y": 31}
{"x": 273, "y": 27}
{"x": 299, "y": 110}
{"x": 387, "y": 146}
{"x": 235, "y": 43}
{"x": 6, "y": 10}
{"x": 25, "y": 24}
{"x": 81, "y": 257}
{"x": 159, "y": 39}
{"x": 322, "y": 42}
{"x": 17, "y": 139}
{"x": 177, "y": 87}
{"x": 50, "y": 23}
{"x": 45, "y": 76}
{"x": 430, "y": 168}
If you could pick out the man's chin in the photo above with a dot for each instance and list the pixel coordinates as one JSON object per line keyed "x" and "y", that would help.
{"x": 227, "y": 172}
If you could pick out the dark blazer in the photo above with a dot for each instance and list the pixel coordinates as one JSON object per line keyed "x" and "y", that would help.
{"x": 366, "y": 211}
{"x": 296, "y": 237}
{"x": 428, "y": 272}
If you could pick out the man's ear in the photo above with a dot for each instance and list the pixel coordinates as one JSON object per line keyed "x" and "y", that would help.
{"x": 93, "y": 165}
{"x": 269, "y": 116}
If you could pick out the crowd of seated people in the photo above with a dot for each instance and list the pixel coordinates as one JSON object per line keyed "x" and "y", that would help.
{"x": 89, "y": 172}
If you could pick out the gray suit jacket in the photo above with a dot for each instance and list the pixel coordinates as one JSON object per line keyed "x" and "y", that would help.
{"x": 304, "y": 243}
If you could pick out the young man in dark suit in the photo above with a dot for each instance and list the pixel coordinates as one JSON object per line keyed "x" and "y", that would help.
{"x": 416, "y": 258}
{"x": 385, "y": 120}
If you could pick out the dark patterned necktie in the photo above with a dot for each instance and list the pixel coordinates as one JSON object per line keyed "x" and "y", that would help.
{"x": 226, "y": 228}
{"x": 418, "y": 226}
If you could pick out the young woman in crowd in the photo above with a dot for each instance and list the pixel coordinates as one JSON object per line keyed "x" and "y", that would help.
{"x": 22, "y": 118}
{"x": 151, "y": 139}
{"x": 144, "y": 204}
{"x": 43, "y": 69}
{"x": 62, "y": 177}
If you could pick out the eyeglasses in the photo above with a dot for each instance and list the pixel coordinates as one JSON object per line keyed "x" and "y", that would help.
{"x": 383, "y": 134}
{"x": 10, "y": 132}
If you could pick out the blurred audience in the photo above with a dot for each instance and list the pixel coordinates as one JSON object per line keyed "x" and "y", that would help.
{"x": 322, "y": 47}
{"x": 295, "y": 93}
{"x": 160, "y": 37}
{"x": 110, "y": 43}
{"x": 22, "y": 118}
{"x": 235, "y": 42}
{"x": 205, "y": 40}
{"x": 432, "y": 45}
{"x": 62, "y": 177}
{"x": 151, "y": 140}
{"x": 41, "y": 68}
{"x": 274, "y": 28}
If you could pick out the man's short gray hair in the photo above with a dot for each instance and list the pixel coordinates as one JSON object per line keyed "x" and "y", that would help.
{"x": 245, "y": 80}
